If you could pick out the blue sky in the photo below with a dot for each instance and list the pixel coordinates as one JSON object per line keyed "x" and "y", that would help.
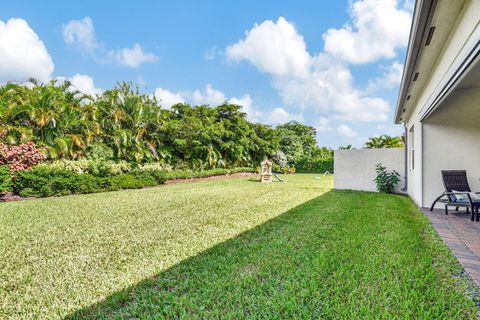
{"x": 335, "y": 65}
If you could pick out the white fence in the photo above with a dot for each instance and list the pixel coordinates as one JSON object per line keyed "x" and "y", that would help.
{"x": 355, "y": 169}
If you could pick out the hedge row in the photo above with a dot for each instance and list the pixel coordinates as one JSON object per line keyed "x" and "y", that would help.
{"x": 45, "y": 181}
{"x": 319, "y": 165}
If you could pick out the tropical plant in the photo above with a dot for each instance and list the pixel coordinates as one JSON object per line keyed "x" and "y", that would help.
{"x": 21, "y": 157}
{"x": 386, "y": 180}
{"x": 384, "y": 141}
{"x": 124, "y": 124}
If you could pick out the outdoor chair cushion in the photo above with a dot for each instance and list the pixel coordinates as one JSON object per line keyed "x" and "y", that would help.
{"x": 465, "y": 201}
{"x": 459, "y": 195}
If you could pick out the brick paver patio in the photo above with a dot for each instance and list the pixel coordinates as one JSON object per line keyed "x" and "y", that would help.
{"x": 462, "y": 236}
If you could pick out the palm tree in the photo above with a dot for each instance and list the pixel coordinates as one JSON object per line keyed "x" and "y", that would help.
{"x": 384, "y": 141}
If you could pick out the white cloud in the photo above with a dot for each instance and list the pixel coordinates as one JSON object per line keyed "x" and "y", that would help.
{"x": 247, "y": 106}
{"x": 80, "y": 82}
{"x": 214, "y": 97}
{"x": 323, "y": 125}
{"x": 378, "y": 27}
{"x": 391, "y": 77}
{"x": 274, "y": 47}
{"x": 81, "y": 33}
{"x": 167, "y": 98}
{"x": 210, "y": 96}
{"x": 322, "y": 83}
{"x": 22, "y": 54}
{"x": 245, "y": 101}
{"x": 280, "y": 115}
{"x": 132, "y": 57}
{"x": 346, "y": 132}
{"x": 355, "y": 107}
{"x": 84, "y": 84}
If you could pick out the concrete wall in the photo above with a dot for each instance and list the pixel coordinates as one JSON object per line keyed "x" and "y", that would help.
{"x": 451, "y": 141}
{"x": 355, "y": 169}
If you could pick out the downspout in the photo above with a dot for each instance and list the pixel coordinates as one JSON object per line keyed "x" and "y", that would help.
{"x": 405, "y": 141}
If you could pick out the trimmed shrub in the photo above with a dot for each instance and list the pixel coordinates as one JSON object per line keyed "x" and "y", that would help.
{"x": 5, "y": 179}
{"x": 317, "y": 165}
{"x": 101, "y": 168}
{"x": 45, "y": 181}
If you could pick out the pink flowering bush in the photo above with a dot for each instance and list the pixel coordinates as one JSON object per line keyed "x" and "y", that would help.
{"x": 21, "y": 157}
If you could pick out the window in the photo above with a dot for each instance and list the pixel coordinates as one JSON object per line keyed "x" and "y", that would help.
{"x": 412, "y": 148}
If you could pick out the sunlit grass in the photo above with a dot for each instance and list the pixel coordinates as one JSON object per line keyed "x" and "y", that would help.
{"x": 226, "y": 249}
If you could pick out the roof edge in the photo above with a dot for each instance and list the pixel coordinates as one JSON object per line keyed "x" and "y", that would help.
{"x": 422, "y": 15}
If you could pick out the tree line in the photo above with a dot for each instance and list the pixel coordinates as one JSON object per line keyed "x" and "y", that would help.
{"x": 132, "y": 126}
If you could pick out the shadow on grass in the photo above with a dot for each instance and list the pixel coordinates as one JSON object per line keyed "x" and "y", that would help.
{"x": 305, "y": 263}
{"x": 227, "y": 279}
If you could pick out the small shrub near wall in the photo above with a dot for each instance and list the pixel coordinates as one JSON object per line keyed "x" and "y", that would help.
{"x": 386, "y": 181}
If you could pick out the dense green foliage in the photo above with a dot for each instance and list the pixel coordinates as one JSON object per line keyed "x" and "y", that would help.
{"x": 47, "y": 180}
{"x": 5, "y": 178}
{"x": 306, "y": 164}
{"x": 227, "y": 249}
{"x": 124, "y": 125}
{"x": 320, "y": 160}
{"x": 44, "y": 182}
{"x": 386, "y": 180}
{"x": 132, "y": 126}
{"x": 297, "y": 140}
{"x": 384, "y": 141}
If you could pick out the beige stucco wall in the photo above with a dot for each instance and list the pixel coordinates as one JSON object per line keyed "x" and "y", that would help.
{"x": 451, "y": 139}
{"x": 463, "y": 36}
{"x": 355, "y": 169}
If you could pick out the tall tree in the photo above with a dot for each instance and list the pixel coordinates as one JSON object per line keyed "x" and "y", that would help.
{"x": 297, "y": 140}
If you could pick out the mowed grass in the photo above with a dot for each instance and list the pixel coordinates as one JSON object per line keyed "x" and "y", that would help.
{"x": 226, "y": 249}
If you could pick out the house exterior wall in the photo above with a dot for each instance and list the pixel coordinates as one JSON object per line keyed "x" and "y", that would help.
{"x": 414, "y": 164}
{"x": 451, "y": 139}
{"x": 355, "y": 169}
{"x": 424, "y": 176}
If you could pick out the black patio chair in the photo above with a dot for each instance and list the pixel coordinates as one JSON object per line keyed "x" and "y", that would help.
{"x": 457, "y": 180}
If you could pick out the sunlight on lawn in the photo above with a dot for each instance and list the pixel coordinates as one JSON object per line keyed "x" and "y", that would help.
{"x": 61, "y": 254}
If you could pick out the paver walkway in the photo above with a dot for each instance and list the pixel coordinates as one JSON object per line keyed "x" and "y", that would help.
{"x": 461, "y": 235}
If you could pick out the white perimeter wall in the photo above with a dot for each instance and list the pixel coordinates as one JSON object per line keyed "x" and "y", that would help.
{"x": 355, "y": 169}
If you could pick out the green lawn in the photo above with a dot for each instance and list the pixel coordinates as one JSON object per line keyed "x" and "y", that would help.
{"x": 229, "y": 248}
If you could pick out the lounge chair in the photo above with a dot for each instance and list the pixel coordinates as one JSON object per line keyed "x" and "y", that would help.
{"x": 457, "y": 193}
